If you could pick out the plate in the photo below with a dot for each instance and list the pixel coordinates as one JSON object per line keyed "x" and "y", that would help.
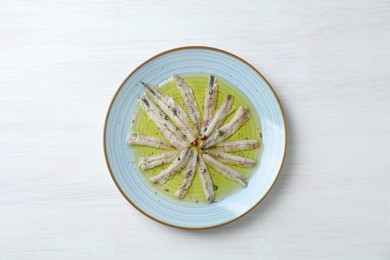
{"x": 194, "y": 60}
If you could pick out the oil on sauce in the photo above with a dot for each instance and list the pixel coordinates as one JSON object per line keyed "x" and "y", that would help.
{"x": 223, "y": 187}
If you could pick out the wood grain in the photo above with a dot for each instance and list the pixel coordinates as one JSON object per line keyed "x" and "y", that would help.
{"x": 62, "y": 61}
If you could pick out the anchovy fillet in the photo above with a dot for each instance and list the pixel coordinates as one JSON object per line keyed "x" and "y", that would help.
{"x": 219, "y": 116}
{"x": 232, "y": 159}
{"x": 151, "y": 141}
{"x": 149, "y": 162}
{"x": 188, "y": 176}
{"x": 241, "y": 116}
{"x": 174, "y": 111}
{"x": 210, "y": 101}
{"x": 189, "y": 101}
{"x": 164, "y": 126}
{"x": 225, "y": 170}
{"x": 163, "y": 118}
{"x": 176, "y": 166}
{"x": 205, "y": 179}
{"x": 235, "y": 146}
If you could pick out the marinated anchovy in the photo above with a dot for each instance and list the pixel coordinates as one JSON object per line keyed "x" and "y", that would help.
{"x": 235, "y": 146}
{"x": 162, "y": 125}
{"x": 225, "y": 170}
{"x": 189, "y": 101}
{"x": 210, "y": 101}
{"x": 163, "y": 118}
{"x": 176, "y": 166}
{"x": 149, "y": 162}
{"x": 188, "y": 176}
{"x": 232, "y": 159}
{"x": 174, "y": 111}
{"x": 219, "y": 116}
{"x": 151, "y": 141}
{"x": 239, "y": 119}
{"x": 181, "y": 128}
{"x": 205, "y": 179}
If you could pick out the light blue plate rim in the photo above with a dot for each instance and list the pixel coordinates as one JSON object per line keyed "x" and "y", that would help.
{"x": 106, "y": 154}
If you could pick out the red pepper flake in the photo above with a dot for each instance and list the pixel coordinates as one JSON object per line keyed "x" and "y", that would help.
{"x": 202, "y": 148}
{"x": 261, "y": 135}
{"x": 205, "y": 137}
{"x": 195, "y": 143}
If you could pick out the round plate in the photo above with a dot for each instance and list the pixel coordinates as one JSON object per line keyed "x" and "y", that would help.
{"x": 191, "y": 60}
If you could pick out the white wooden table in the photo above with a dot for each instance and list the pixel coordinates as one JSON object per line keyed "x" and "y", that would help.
{"x": 62, "y": 61}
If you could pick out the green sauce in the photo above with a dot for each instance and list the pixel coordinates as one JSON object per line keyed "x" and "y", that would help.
{"x": 223, "y": 187}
